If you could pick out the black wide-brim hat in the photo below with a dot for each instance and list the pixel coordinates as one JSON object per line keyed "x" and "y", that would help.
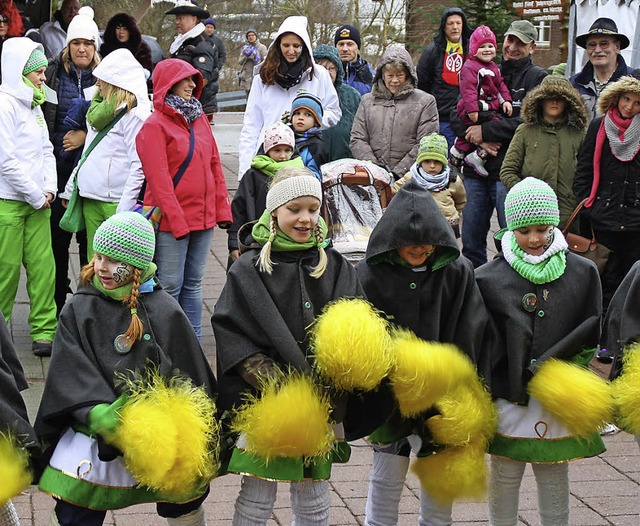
{"x": 603, "y": 27}
{"x": 189, "y": 8}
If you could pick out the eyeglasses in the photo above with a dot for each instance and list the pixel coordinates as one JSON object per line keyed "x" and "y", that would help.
{"x": 604, "y": 44}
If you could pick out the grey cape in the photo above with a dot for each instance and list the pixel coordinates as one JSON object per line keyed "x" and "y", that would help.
{"x": 558, "y": 319}
{"x": 84, "y": 361}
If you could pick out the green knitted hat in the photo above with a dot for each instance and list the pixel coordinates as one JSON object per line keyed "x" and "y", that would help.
{"x": 531, "y": 202}
{"x": 126, "y": 237}
{"x": 433, "y": 146}
{"x": 36, "y": 60}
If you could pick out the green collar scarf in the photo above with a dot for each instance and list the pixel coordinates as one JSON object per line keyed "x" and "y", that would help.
{"x": 121, "y": 293}
{"x": 546, "y": 268}
{"x": 39, "y": 95}
{"x": 101, "y": 111}
{"x": 267, "y": 165}
{"x": 282, "y": 242}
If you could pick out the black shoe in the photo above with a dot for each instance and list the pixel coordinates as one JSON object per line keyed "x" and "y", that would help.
{"x": 605, "y": 356}
{"x": 41, "y": 348}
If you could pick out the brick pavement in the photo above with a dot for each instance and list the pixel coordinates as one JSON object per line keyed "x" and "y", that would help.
{"x": 604, "y": 489}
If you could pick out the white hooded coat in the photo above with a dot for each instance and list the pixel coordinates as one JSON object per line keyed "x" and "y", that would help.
{"x": 114, "y": 163}
{"x": 266, "y": 104}
{"x": 27, "y": 164}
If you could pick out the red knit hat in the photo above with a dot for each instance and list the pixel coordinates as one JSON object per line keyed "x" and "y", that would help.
{"x": 481, "y": 35}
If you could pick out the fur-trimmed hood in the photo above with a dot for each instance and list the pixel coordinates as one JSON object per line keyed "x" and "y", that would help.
{"x": 611, "y": 94}
{"x": 555, "y": 86}
{"x": 394, "y": 53}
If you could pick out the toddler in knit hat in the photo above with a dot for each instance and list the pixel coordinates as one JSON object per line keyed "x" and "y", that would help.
{"x": 306, "y": 118}
{"x": 431, "y": 170}
{"x": 483, "y": 94}
{"x": 249, "y": 200}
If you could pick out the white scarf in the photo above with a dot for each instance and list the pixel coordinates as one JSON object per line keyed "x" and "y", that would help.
{"x": 180, "y": 39}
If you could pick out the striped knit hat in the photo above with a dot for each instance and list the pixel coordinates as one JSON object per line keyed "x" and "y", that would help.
{"x": 313, "y": 103}
{"x": 531, "y": 202}
{"x": 126, "y": 237}
{"x": 433, "y": 146}
{"x": 36, "y": 60}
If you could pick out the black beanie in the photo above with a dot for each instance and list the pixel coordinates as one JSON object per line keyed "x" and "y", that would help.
{"x": 347, "y": 32}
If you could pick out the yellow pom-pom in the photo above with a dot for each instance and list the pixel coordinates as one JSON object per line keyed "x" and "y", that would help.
{"x": 169, "y": 436}
{"x": 579, "y": 398}
{"x": 467, "y": 414}
{"x": 14, "y": 468}
{"x": 289, "y": 419}
{"x": 626, "y": 391}
{"x": 351, "y": 345}
{"x": 454, "y": 473}
{"x": 425, "y": 371}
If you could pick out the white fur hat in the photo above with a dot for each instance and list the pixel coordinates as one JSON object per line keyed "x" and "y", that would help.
{"x": 83, "y": 26}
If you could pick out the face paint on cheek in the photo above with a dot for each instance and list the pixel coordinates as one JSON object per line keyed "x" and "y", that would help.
{"x": 549, "y": 238}
{"x": 122, "y": 273}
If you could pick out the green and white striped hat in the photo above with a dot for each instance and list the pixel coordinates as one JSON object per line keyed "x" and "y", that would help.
{"x": 531, "y": 202}
{"x": 126, "y": 237}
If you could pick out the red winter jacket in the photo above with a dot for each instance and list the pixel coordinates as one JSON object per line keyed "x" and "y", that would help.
{"x": 201, "y": 200}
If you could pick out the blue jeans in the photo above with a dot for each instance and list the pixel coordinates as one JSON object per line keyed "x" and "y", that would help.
{"x": 483, "y": 196}
{"x": 181, "y": 265}
{"x": 446, "y": 130}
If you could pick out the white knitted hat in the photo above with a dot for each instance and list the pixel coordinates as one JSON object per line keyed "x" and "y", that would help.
{"x": 83, "y": 26}
{"x": 292, "y": 188}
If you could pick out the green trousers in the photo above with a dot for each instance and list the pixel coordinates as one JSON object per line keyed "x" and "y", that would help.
{"x": 25, "y": 239}
{"x": 95, "y": 213}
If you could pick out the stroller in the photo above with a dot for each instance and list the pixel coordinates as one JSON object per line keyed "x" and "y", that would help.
{"x": 355, "y": 195}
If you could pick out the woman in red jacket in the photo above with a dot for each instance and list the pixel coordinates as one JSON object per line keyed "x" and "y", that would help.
{"x": 184, "y": 178}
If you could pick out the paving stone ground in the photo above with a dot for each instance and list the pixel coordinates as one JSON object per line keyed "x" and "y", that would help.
{"x": 604, "y": 489}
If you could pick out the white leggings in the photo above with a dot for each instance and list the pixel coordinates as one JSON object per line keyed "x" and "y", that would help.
{"x": 552, "y": 481}
{"x": 386, "y": 481}
{"x": 309, "y": 502}
{"x": 8, "y": 515}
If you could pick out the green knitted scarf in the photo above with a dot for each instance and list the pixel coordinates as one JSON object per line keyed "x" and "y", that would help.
{"x": 121, "y": 293}
{"x": 101, "y": 111}
{"x": 39, "y": 95}
{"x": 282, "y": 242}
{"x": 550, "y": 268}
{"x": 268, "y": 166}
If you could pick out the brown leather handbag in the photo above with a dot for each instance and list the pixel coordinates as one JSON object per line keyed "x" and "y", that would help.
{"x": 583, "y": 246}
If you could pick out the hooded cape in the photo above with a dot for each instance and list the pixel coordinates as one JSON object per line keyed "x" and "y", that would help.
{"x": 440, "y": 303}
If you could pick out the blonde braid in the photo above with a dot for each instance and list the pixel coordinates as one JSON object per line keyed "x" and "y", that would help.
{"x": 264, "y": 261}
{"x": 136, "y": 328}
{"x": 322, "y": 263}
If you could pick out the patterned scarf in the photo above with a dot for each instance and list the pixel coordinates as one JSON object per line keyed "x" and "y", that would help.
{"x": 190, "y": 109}
{"x": 624, "y": 140}
{"x": 433, "y": 183}
{"x": 541, "y": 269}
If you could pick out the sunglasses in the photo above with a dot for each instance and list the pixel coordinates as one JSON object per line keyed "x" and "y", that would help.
{"x": 4, "y": 19}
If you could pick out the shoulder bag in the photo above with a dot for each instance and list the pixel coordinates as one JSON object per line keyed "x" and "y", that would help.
{"x": 152, "y": 212}
{"x": 73, "y": 218}
{"x": 583, "y": 246}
